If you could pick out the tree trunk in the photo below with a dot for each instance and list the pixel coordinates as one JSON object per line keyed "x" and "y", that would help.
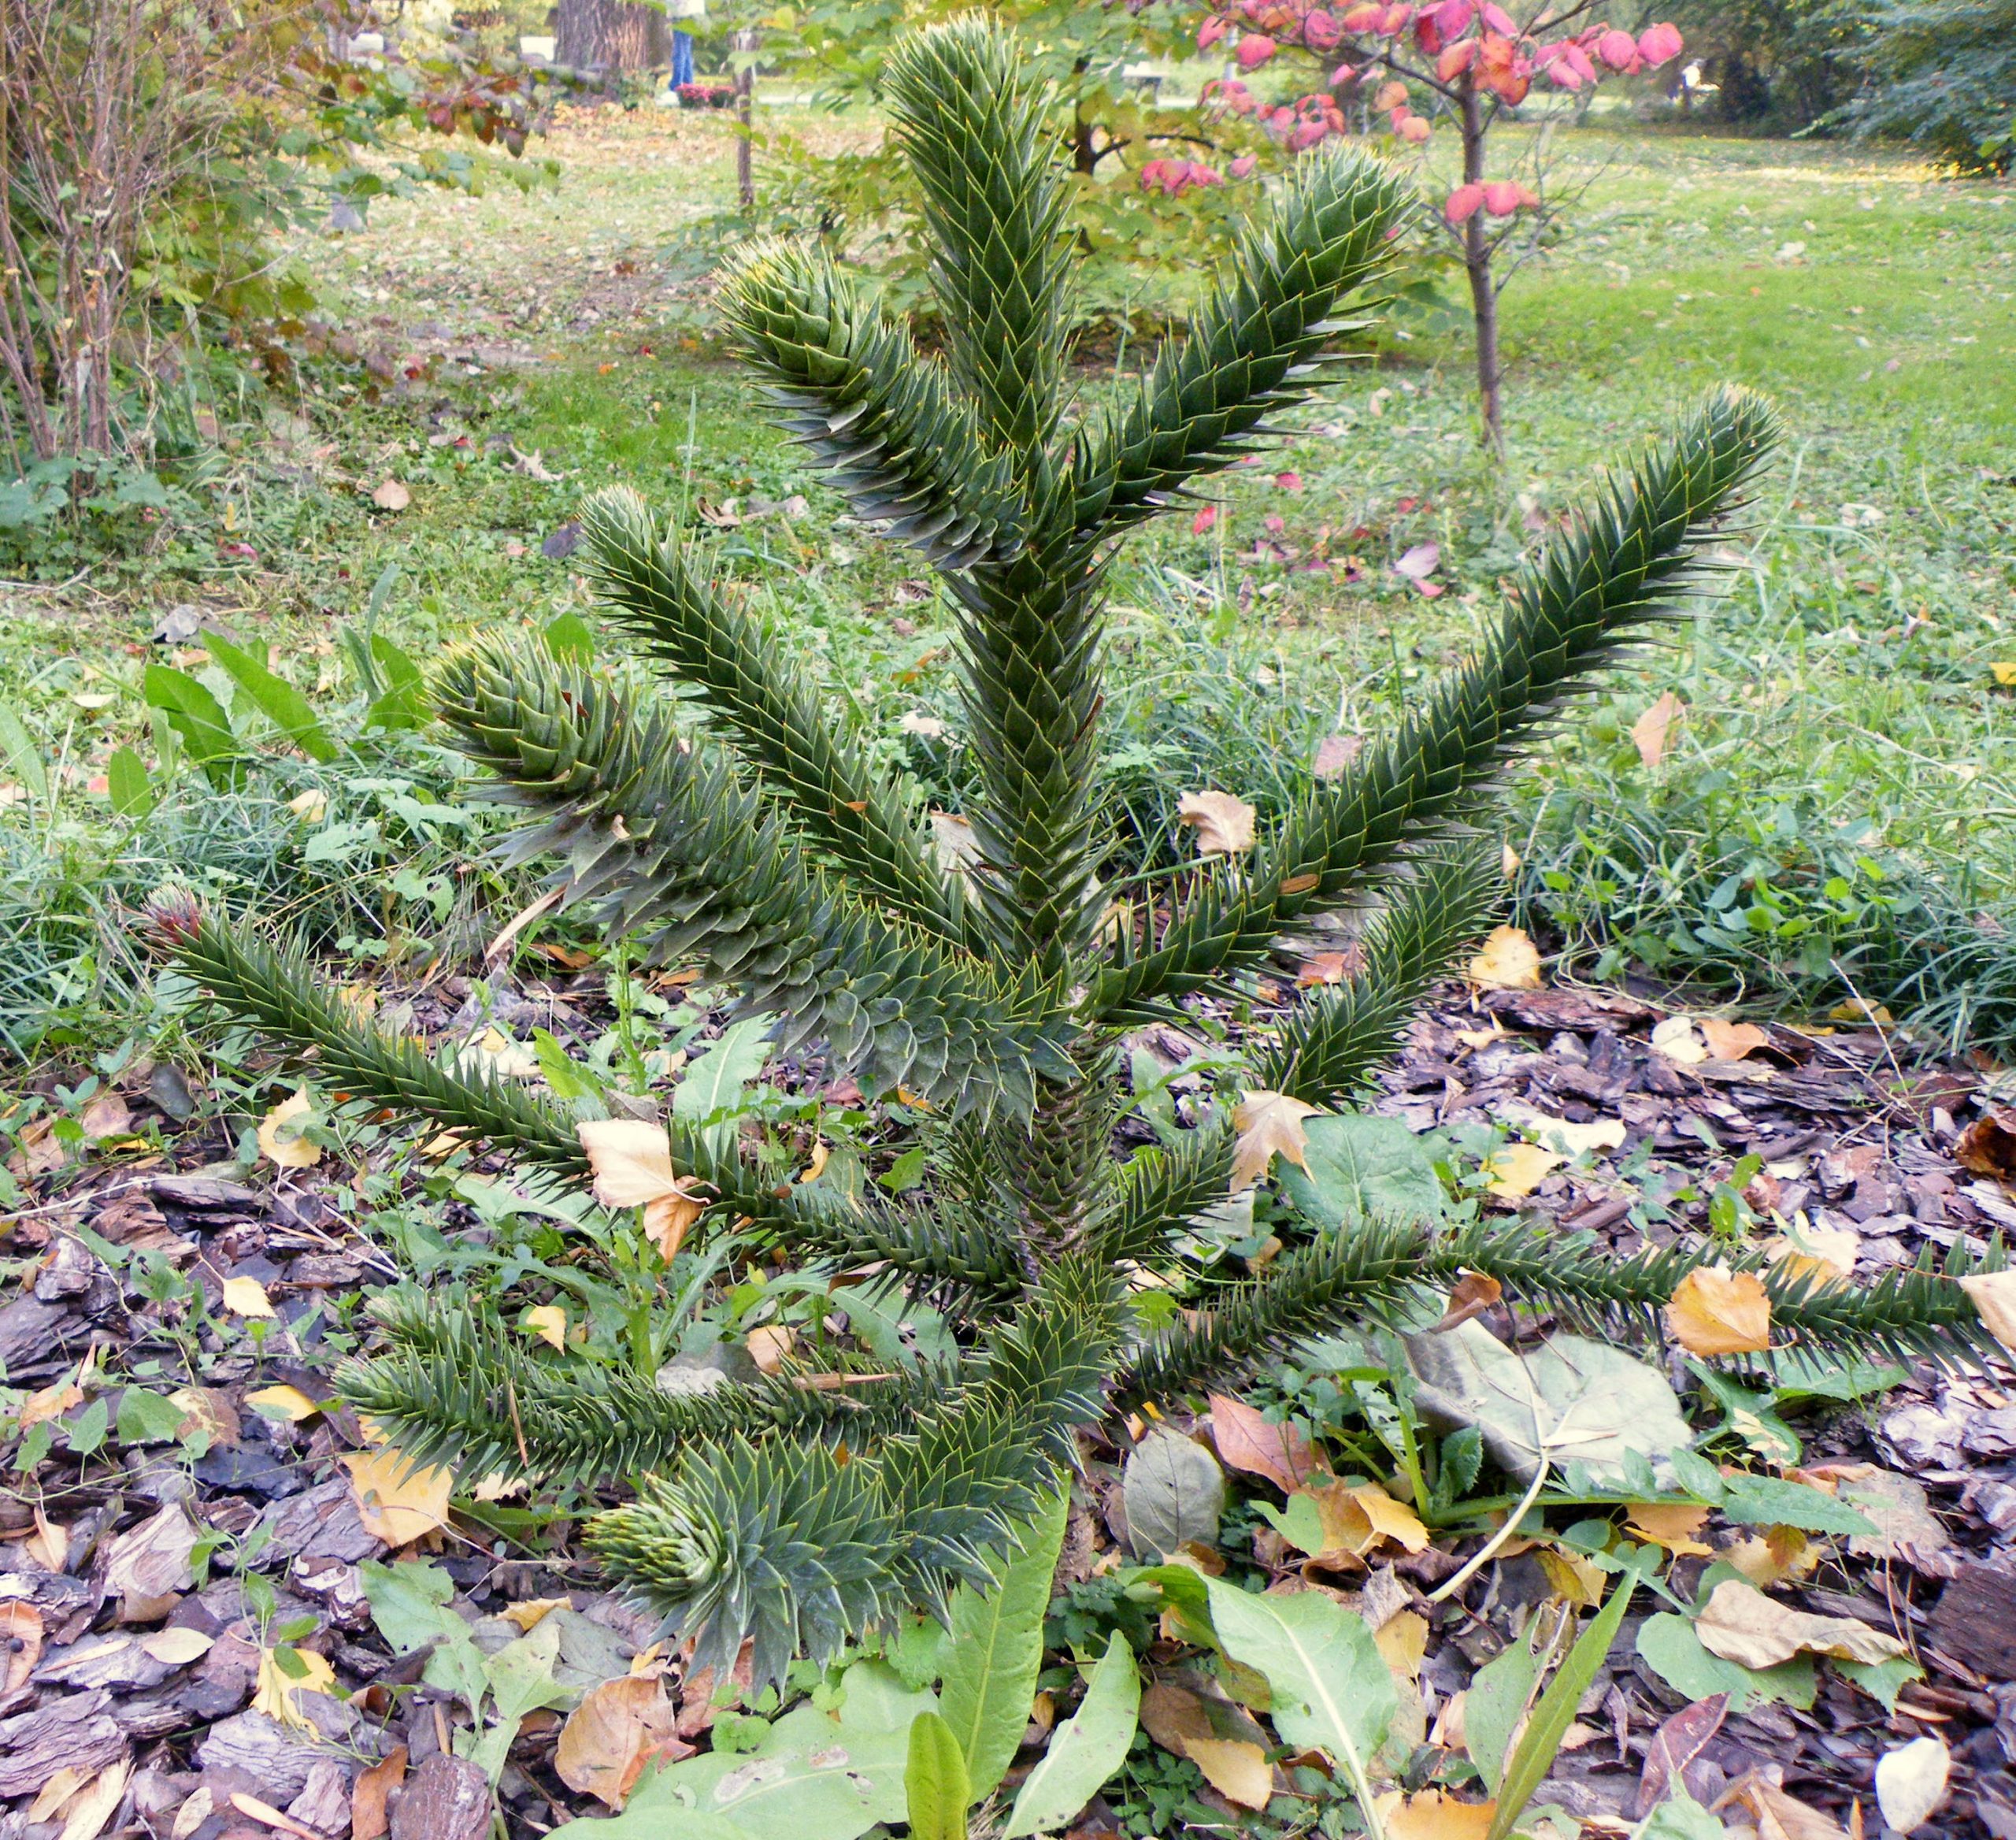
{"x": 610, "y": 35}
{"x": 1476, "y": 264}
{"x": 745, "y": 105}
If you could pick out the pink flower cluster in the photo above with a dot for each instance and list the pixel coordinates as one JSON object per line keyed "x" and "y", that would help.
{"x": 1175, "y": 177}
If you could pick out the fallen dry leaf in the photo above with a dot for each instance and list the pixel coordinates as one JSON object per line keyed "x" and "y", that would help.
{"x": 1335, "y": 754}
{"x": 151, "y": 1561}
{"x": 208, "y": 1410}
{"x": 57, "y": 1791}
{"x": 51, "y": 1402}
{"x": 549, "y": 1322}
{"x": 1508, "y": 960}
{"x": 1573, "y": 1579}
{"x": 1391, "y": 1519}
{"x": 289, "y": 1402}
{"x": 1717, "y": 1311}
{"x": 1994, "y": 1294}
{"x": 1268, "y": 1123}
{"x": 1431, "y": 1815}
{"x": 20, "y": 1621}
{"x": 1910, "y": 1783}
{"x": 1223, "y": 825}
{"x": 1402, "y": 1641}
{"x": 368, "y": 1819}
{"x": 268, "y": 1816}
{"x": 1653, "y": 729}
{"x": 89, "y": 1810}
{"x": 1825, "y": 1254}
{"x": 631, "y": 1160}
{"x": 1987, "y": 1146}
{"x": 198, "y": 1809}
{"x": 49, "y": 1546}
{"x": 1731, "y": 1040}
{"x": 106, "y": 1116}
{"x": 1473, "y": 1294}
{"x": 1671, "y": 1524}
{"x": 528, "y": 1613}
{"x": 1323, "y": 968}
{"x": 1560, "y": 1134}
{"x": 280, "y": 1691}
{"x": 177, "y": 1647}
{"x": 280, "y": 1140}
{"x": 1779, "y": 1816}
{"x": 398, "y": 1502}
{"x": 770, "y": 1343}
{"x": 1247, "y": 1441}
{"x": 615, "y": 1730}
{"x": 1674, "y": 1746}
{"x": 1234, "y": 1766}
{"x": 1775, "y": 1555}
{"x": 391, "y": 496}
{"x": 246, "y": 1297}
{"x": 1514, "y": 1171}
{"x": 1676, "y": 1039}
{"x": 1742, "y": 1625}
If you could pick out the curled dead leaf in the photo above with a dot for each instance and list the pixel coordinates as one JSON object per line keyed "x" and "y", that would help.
{"x": 281, "y": 1142}
{"x": 1994, "y": 1295}
{"x": 1715, "y": 1311}
{"x": 1671, "y": 1524}
{"x": 1223, "y": 824}
{"x": 631, "y": 1161}
{"x": 618, "y": 1727}
{"x": 1473, "y": 1294}
{"x": 1653, "y": 730}
{"x": 1508, "y": 960}
{"x": 1731, "y": 1040}
{"x": 1268, "y": 1123}
{"x": 1740, "y": 1624}
{"x": 1247, "y": 1440}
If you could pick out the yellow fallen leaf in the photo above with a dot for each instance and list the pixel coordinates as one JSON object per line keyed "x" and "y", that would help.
{"x": 2004, "y": 673}
{"x": 1825, "y": 1254}
{"x": 549, "y": 1322}
{"x": 289, "y": 1402}
{"x": 1513, "y": 1172}
{"x": 177, "y": 1647}
{"x": 1573, "y": 1579}
{"x": 1391, "y": 1519}
{"x": 498, "y": 1055}
{"x": 610, "y": 1736}
{"x": 1715, "y": 1311}
{"x": 1740, "y": 1624}
{"x": 1731, "y": 1040}
{"x": 1674, "y": 1038}
{"x": 1671, "y": 1524}
{"x": 57, "y": 1791}
{"x": 1652, "y": 730}
{"x": 815, "y": 1165}
{"x": 533, "y": 1611}
{"x": 246, "y": 1297}
{"x": 1223, "y": 825}
{"x": 1774, "y": 1556}
{"x": 311, "y": 806}
{"x": 1994, "y": 1295}
{"x": 397, "y": 1500}
{"x": 49, "y": 1546}
{"x": 279, "y": 1690}
{"x": 1508, "y": 960}
{"x": 1563, "y": 1134}
{"x": 1267, "y": 1123}
{"x": 769, "y": 1344}
{"x": 279, "y": 1139}
{"x": 1431, "y": 1815}
{"x": 87, "y": 1811}
{"x": 1402, "y": 1641}
{"x": 1859, "y": 1009}
{"x": 631, "y": 1160}
{"x": 1234, "y": 1766}
{"x": 1910, "y": 1783}
{"x": 51, "y": 1402}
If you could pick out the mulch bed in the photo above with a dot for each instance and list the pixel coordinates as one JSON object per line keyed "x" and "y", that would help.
{"x": 1853, "y": 1128}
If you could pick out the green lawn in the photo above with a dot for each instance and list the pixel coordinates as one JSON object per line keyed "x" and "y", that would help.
{"x": 1834, "y": 812}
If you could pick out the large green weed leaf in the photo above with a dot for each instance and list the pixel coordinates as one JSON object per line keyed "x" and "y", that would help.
{"x": 1331, "y": 1686}
{"x": 1086, "y": 1750}
{"x": 196, "y": 717}
{"x": 1527, "y": 1767}
{"x": 715, "y": 1084}
{"x": 1497, "y": 1702}
{"x": 936, "y": 1789}
{"x": 1174, "y": 1491}
{"x": 814, "y": 1775}
{"x": 1363, "y": 1167}
{"x": 996, "y": 1650}
{"x": 273, "y": 696}
{"x": 1673, "y": 1652}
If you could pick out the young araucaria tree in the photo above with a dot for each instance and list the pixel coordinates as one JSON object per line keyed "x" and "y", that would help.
{"x": 763, "y": 846}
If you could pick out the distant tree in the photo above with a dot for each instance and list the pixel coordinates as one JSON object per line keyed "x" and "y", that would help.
{"x": 611, "y": 35}
{"x": 1939, "y": 72}
{"x": 1771, "y": 63}
{"x": 1470, "y": 62}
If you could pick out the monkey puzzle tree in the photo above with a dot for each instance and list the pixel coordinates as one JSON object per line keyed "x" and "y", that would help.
{"x": 765, "y": 847}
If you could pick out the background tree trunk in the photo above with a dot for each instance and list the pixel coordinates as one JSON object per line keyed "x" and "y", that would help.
{"x": 611, "y": 36}
{"x": 745, "y": 41}
{"x": 1477, "y": 250}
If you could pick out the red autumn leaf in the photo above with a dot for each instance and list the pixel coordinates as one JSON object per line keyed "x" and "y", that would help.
{"x": 1617, "y": 48}
{"x": 1464, "y": 203}
{"x": 1658, "y": 44}
{"x": 1203, "y": 521}
{"x": 1246, "y": 1440}
{"x": 1288, "y": 482}
{"x": 1253, "y": 51}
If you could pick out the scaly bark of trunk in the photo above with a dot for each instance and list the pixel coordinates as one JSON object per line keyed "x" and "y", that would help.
{"x": 1476, "y": 264}
{"x": 611, "y": 36}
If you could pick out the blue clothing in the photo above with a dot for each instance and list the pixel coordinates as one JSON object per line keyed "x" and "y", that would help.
{"x": 682, "y": 58}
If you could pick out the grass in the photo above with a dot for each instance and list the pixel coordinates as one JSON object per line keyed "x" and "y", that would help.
{"x": 1831, "y": 816}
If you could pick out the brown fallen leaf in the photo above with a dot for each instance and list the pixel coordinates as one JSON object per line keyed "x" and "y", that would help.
{"x": 1652, "y": 731}
{"x": 617, "y": 1728}
{"x": 50, "y": 1402}
{"x": 769, "y": 1344}
{"x": 1473, "y": 1294}
{"x": 1268, "y": 1123}
{"x": 1774, "y": 1556}
{"x": 151, "y": 1561}
{"x": 177, "y": 1647}
{"x": 1234, "y": 1766}
{"x": 1223, "y": 824}
{"x": 1994, "y": 1295}
{"x": 368, "y": 1796}
{"x": 20, "y": 1622}
{"x": 1717, "y": 1311}
{"x": 1987, "y": 1146}
{"x": 268, "y": 1816}
{"x": 1508, "y": 960}
{"x": 85, "y": 1814}
{"x": 1247, "y": 1441}
{"x": 106, "y": 1116}
{"x": 1740, "y": 1624}
{"x": 279, "y": 1140}
{"x": 1731, "y": 1040}
{"x": 391, "y": 496}
{"x": 631, "y": 1160}
{"x": 1674, "y": 1746}
{"x": 397, "y": 1500}
{"x": 1323, "y": 968}
{"x": 1335, "y": 754}
{"x": 1779, "y": 1816}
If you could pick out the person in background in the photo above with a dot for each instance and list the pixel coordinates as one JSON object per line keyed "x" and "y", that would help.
{"x": 682, "y": 41}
